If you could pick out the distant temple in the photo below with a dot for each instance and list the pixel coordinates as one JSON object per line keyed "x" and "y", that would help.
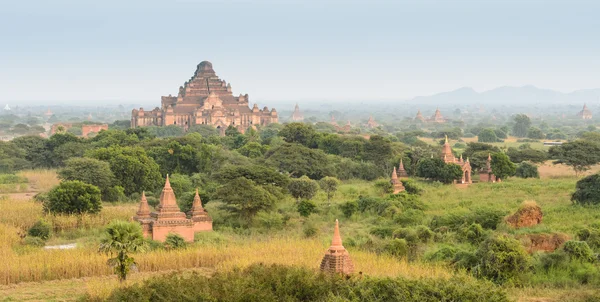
{"x": 168, "y": 218}
{"x": 449, "y": 158}
{"x": 402, "y": 174}
{"x": 585, "y": 114}
{"x": 205, "y": 100}
{"x": 397, "y": 185}
{"x": 86, "y": 129}
{"x": 371, "y": 123}
{"x": 337, "y": 259}
{"x": 437, "y": 117}
{"x": 486, "y": 174}
{"x": 297, "y": 116}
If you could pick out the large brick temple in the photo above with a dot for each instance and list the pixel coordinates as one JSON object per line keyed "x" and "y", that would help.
{"x": 205, "y": 100}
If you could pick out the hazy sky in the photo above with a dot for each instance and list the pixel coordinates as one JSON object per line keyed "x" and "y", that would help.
{"x": 120, "y": 51}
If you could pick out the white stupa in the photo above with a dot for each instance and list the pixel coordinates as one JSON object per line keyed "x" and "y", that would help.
{"x": 6, "y": 107}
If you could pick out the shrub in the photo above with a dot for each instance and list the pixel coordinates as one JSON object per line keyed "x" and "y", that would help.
{"x": 424, "y": 233}
{"x": 41, "y": 229}
{"x": 473, "y": 233}
{"x": 270, "y": 220}
{"x": 34, "y": 241}
{"x": 90, "y": 171}
{"x": 412, "y": 187}
{"x": 174, "y": 241}
{"x": 116, "y": 193}
{"x": 261, "y": 282}
{"x": 591, "y": 236}
{"x": 73, "y": 197}
{"x": 349, "y": 208}
{"x": 587, "y": 190}
{"x": 579, "y": 250}
{"x": 309, "y": 231}
{"x": 501, "y": 258}
{"x": 445, "y": 253}
{"x": 382, "y": 231}
{"x": 306, "y": 207}
{"x": 527, "y": 170}
{"x": 397, "y": 247}
{"x": 384, "y": 186}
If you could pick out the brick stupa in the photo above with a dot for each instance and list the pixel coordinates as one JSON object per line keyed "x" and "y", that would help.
{"x": 487, "y": 175}
{"x": 337, "y": 259}
{"x": 202, "y": 222}
{"x": 168, "y": 218}
{"x": 396, "y": 183}
{"x": 402, "y": 174}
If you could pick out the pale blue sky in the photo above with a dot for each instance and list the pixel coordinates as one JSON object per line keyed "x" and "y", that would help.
{"x": 130, "y": 51}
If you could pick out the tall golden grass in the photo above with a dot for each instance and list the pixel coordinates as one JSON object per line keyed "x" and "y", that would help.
{"x": 40, "y": 180}
{"x": 39, "y": 265}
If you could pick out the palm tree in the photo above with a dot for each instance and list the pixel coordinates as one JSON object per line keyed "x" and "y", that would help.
{"x": 121, "y": 239}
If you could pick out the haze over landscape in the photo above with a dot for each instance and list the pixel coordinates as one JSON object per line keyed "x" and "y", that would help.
{"x": 134, "y": 51}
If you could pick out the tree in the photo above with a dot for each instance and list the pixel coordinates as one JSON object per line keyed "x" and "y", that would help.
{"x": 253, "y": 150}
{"x": 174, "y": 241}
{"x": 73, "y": 197}
{"x": 580, "y": 155}
{"x": 298, "y": 160}
{"x": 522, "y": 124}
{"x": 487, "y": 136}
{"x": 35, "y": 150}
{"x": 121, "y": 240}
{"x": 259, "y": 174}
{"x": 243, "y": 197}
{"x": 303, "y": 188}
{"x": 501, "y": 258}
{"x": 527, "y": 170}
{"x": 299, "y": 133}
{"x": 587, "y": 191}
{"x": 535, "y": 133}
{"x": 437, "y": 169}
{"x": 450, "y": 173}
{"x": 526, "y": 154}
{"x": 134, "y": 170}
{"x": 502, "y": 166}
{"x": 329, "y": 185}
{"x": 89, "y": 170}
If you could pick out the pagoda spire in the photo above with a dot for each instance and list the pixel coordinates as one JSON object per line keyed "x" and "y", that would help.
{"x": 337, "y": 239}
{"x": 337, "y": 259}
{"x": 197, "y": 204}
{"x": 394, "y": 175}
{"x": 144, "y": 209}
{"x": 168, "y": 201}
{"x": 401, "y": 167}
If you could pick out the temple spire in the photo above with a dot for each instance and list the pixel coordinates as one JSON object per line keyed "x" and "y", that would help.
{"x": 394, "y": 175}
{"x": 197, "y": 204}
{"x": 337, "y": 239}
{"x": 144, "y": 209}
{"x": 401, "y": 165}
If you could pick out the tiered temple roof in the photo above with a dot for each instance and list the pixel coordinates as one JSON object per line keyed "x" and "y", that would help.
{"x": 396, "y": 183}
{"x": 448, "y": 158}
{"x": 337, "y": 259}
{"x": 585, "y": 114}
{"x": 297, "y": 116}
{"x": 401, "y": 171}
{"x": 371, "y": 122}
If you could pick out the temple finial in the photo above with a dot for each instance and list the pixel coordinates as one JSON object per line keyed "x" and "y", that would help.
{"x": 337, "y": 239}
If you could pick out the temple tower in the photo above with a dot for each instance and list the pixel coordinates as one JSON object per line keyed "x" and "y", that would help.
{"x": 396, "y": 183}
{"x": 168, "y": 218}
{"x": 337, "y": 259}
{"x": 143, "y": 216}
{"x": 297, "y": 116}
{"x": 486, "y": 174}
{"x": 402, "y": 174}
{"x": 447, "y": 154}
{"x": 202, "y": 222}
{"x": 371, "y": 122}
{"x": 419, "y": 116}
{"x": 585, "y": 114}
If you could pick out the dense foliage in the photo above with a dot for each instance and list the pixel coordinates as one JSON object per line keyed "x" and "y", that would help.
{"x": 73, "y": 197}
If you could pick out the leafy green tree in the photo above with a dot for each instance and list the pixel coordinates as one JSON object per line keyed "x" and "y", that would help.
{"x": 430, "y": 168}
{"x": 73, "y": 197}
{"x": 299, "y": 133}
{"x": 40, "y": 229}
{"x": 521, "y": 126}
{"x": 535, "y": 133}
{"x": 527, "y": 154}
{"x": 120, "y": 241}
{"x": 35, "y": 150}
{"x": 587, "y": 191}
{"x": 501, "y": 258}
{"x": 303, "y": 188}
{"x": 204, "y": 130}
{"x": 580, "y": 155}
{"x": 174, "y": 241}
{"x": 253, "y": 150}
{"x": 175, "y": 158}
{"x": 450, "y": 173}
{"x": 487, "y": 136}
{"x": 378, "y": 150}
{"x": 298, "y": 160}
{"x": 502, "y": 166}
{"x": 259, "y": 174}
{"x": 329, "y": 185}
{"x": 243, "y": 197}
{"x": 134, "y": 170}
{"x": 89, "y": 170}
{"x": 306, "y": 207}
{"x": 527, "y": 170}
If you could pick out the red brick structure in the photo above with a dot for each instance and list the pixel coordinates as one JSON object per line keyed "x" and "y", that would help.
{"x": 585, "y": 114}
{"x": 86, "y": 130}
{"x": 168, "y": 218}
{"x": 449, "y": 158}
{"x": 396, "y": 183}
{"x": 205, "y": 100}
{"x": 486, "y": 175}
{"x": 297, "y": 116}
{"x": 437, "y": 117}
{"x": 402, "y": 174}
{"x": 371, "y": 123}
{"x": 419, "y": 116}
{"x": 337, "y": 259}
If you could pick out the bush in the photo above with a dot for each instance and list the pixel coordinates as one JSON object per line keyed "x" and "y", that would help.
{"x": 412, "y": 187}
{"x": 410, "y": 217}
{"x": 473, "y": 233}
{"x": 116, "y": 193}
{"x": 579, "y": 250}
{"x": 384, "y": 186}
{"x": 527, "y": 170}
{"x": 587, "y": 190}
{"x": 397, "y": 247}
{"x": 41, "y": 229}
{"x": 174, "y": 241}
{"x": 73, "y": 197}
{"x": 306, "y": 207}
{"x": 34, "y": 241}
{"x": 501, "y": 259}
{"x": 309, "y": 231}
{"x": 261, "y": 282}
{"x": 349, "y": 208}
{"x": 488, "y": 218}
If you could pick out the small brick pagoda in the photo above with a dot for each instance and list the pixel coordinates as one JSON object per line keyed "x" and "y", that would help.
{"x": 371, "y": 123}
{"x": 168, "y": 218}
{"x": 396, "y": 183}
{"x": 402, "y": 174}
{"x": 585, "y": 114}
{"x": 486, "y": 174}
{"x": 449, "y": 158}
{"x": 297, "y": 116}
{"x": 337, "y": 259}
